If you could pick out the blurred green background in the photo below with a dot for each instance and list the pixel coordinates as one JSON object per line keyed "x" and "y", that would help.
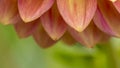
{"x": 25, "y": 53}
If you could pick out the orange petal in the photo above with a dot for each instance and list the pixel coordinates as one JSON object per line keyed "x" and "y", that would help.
{"x": 8, "y": 11}
{"x": 33, "y": 9}
{"x": 25, "y": 29}
{"x": 53, "y": 23}
{"x": 42, "y": 38}
{"x": 77, "y": 13}
{"x": 116, "y": 3}
{"x": 89, "y": 37}
{"x": 107, "y": 18}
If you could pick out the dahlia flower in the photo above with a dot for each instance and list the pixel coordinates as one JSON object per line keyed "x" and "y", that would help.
{"x": 85, "y": 21}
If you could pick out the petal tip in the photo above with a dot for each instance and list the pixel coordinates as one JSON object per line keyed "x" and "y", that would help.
{"x": 26, "y": 20}
{"x": 54, "y": 38}
{"x": 113, "y": 0}
{"x": 79, "y": 29}
{"x": 5, "y": 22}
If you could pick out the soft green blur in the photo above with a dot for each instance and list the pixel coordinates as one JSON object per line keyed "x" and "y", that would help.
{"x": 25, "y": 53}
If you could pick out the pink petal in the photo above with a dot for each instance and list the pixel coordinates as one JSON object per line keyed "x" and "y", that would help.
{"x": 42, "y": 38}
{"x": 53, "y": 23}
{"x": 25, "y": 29}
{"x": 116, "y": 3}
{"x": 33, "y": 9}
{"x": 90, "y": 36}
{"x": 107, "y": 18}
{"x": 77, "y": 13}
{"x": 8, "y": 11}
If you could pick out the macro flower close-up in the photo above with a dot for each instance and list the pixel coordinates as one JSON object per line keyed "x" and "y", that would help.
{"x": 88, "y": 21}
{"x": 72, "y": 22}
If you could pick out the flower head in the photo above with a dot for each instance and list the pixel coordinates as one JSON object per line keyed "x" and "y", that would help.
{"x": 51, "y": 20}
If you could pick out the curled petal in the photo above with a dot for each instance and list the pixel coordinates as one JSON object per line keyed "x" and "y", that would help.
{"x": 53, "y": 23}
{"x": 33, "y": 9}
{"x": 77, "y": 13}
{"x": 8, "y": 11}
{"x": 42, "y": 38}
{"x": 25, "y": 29}
{"x": 90, "y": 36}
{"x": 107, "y": 21}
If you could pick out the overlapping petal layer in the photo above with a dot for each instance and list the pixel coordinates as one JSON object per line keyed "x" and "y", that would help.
{"x": 25, "y": 29}
{"x": 8, "y": 11}
{"x": 107, "y": 18}
{"x": 90, "y": 36}
{"x": 77, "y": 13}
{"x": 53, "y": 23}
{"x": 47, "y": 20}
{"x": 32, "y": 9}
{"x": 42, "y": 38}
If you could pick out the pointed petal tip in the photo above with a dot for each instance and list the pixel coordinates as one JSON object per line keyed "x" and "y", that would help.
{"x": 77, "y": 13}
{"x": 113, "y": 1}
{"x": 53, "y": 23}
{"x": 54, "y": 38}
{"x": 8, "y": 9}
{"x": 26, "y": 19}
{"x": 78, "y": 29}
{"x": 42, "y": 38}
{"x": 5, "y": 23}
{"x": 32, "y": 9}
{"x": 47, "y": 44}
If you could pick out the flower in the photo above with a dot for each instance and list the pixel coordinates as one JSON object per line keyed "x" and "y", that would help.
{"x": 48, "y": 21}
